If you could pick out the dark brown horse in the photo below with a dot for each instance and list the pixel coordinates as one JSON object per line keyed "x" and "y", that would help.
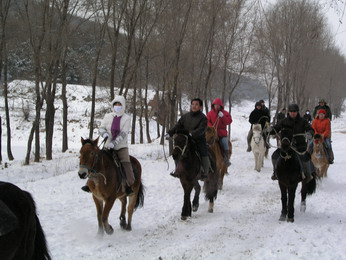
{"x": 105, "y": 182}
{"x": 188, "y": 170}
{"x": 214, "y": 145}
{"x": 21, "y": 234}
{"x": 289, "y": 170}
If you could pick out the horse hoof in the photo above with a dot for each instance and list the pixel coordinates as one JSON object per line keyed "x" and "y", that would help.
{"x": 109, "y": 230}
{"x": 282, "y": 217}
{"x": 211, "y": 210}
{"x": 290, "y": 220}
{"x": 128, "y": 228}
{"x": 195, "y": 208}
{"x": 183, "y": 217}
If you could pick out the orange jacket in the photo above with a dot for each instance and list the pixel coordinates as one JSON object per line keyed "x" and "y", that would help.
{"x": 322, "y": 127}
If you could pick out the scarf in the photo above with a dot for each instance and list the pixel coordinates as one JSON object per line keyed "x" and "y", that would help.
{"x": 115, "y": 129}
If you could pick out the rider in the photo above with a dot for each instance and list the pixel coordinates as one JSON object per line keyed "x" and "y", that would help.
{"x": 195, "y": 123}
{"x": 300, "y": 127}
{"x": 219, "y": 118}
{"x": 322, "y": 104}
{"x": 257, "y": 116}
{"x": 115, "y": 127}
{"x": 321, "y": 125}
{"x": 281, "y": 115}
{"x": 307, "y": 116}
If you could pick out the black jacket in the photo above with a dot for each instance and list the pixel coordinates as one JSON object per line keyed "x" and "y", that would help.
{"x": 259, "y": 116}
{"x": 280, "y": 116}
{"x": 307, "y": 117}
{"x": 194, "y": 122}
{"x": 299, "y": 126}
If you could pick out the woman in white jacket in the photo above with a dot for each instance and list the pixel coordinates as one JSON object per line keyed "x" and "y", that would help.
{"x": 115, "y": 127}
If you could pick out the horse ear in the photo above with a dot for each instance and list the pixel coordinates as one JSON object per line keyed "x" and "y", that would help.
{"x": 82, "y": 140}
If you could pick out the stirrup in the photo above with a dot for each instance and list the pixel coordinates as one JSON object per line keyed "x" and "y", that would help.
{"x": 248, "y": 149}
{"x": 173, "y": 174}
{"x": 128, "y": 190}
{"x": 274, "y": 177}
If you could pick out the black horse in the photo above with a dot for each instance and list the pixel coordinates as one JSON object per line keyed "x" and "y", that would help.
{"x": 21, "y": 234}
{"x": 289, "y": 168}
{"x": 188, "y": 170}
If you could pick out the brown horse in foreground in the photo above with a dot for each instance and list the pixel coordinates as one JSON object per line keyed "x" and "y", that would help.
{"x": 319, "y": 156}
{"x": 21, "y": 234}
{"x": 105, "y": 183}
{"x": 214, "y": 145}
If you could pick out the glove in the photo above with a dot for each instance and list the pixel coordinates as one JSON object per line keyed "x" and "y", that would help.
{"x": 105, "y": 135}
{"x": 220, "y": 114}
{"x": 110, "y": 146}
{"x": 167, "y": 136}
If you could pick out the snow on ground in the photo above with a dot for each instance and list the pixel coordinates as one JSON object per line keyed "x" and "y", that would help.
{"x": 244, "y": 224}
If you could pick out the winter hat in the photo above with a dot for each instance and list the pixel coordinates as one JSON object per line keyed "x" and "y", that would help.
{"x": 293, "y": 107}
{"x": 258, "y": 104}
{"x": 322, "y": 101}
{"x": 322, "y": 111}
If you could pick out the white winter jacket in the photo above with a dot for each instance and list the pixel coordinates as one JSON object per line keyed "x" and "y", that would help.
{"x": 125, "y": 125}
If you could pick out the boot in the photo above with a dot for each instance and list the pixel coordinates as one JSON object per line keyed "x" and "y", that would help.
{"x": 225, "y": 159}
{"x": 206, "y": 168}
{"x": 248, "y": 139}
{"x": 174, "y": 173}
{"x": 85, "y": 188}
{"x": 330, "y": 155}
{"x": 130, "y": 178}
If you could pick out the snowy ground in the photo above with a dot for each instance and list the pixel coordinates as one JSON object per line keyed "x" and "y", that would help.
{"x": 244, "y": 224}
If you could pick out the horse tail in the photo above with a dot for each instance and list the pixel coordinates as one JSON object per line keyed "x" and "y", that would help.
{"x": 311, "y": 187}
{"x": 210, "y": 185}
{"x": 140, "y": 196}
{"x": 40, "y": 245}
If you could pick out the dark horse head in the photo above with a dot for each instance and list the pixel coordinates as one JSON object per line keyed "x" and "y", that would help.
{"x": 181, "y": 146}
{"x": 286, "y": 139}
{"x": 21, "y": 235}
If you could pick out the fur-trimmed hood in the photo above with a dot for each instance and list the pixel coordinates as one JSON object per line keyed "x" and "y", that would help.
{"x": 122, "y": 101}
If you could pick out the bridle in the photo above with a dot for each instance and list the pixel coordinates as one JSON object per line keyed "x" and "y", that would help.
{"x": 184, "y": 149}
{"x": 91, "y": 171}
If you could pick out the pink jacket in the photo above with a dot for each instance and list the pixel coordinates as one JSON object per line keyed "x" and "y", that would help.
{"x": 220, "y": 123}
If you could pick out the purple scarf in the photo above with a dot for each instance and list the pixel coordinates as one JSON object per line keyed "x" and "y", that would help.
{"x": 115, "y": 129}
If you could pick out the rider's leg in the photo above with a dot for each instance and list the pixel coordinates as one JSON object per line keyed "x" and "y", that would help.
{"x": 124, "y": 158}
{"x": 310, "y": 146}
{"x": 275, "y": 157}
{"x": 203, "y": 151}
{"x": 248, "y": 139}
{"x": 308, "y": 167}
{"x": 330, "y": 154}
{"x": 224, "y": 145}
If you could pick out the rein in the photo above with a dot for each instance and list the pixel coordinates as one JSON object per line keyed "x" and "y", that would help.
{"x": 92, "y": 173}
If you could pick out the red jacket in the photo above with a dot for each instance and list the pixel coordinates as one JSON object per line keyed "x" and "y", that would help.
{"x": 220, "y": 123}
{"x": 322, "y": 127}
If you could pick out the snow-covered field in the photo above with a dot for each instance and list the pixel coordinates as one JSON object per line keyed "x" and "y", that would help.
{"x": 244, "y": 224}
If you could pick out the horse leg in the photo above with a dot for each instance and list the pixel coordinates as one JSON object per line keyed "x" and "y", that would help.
{"x": 99, "y": 210}
{"x": 291, "y": 197}
{"x": 283, "y": 190}
{"x": 108, "y": 206}
{"x": 211, "y": 205}
{"x": 195, "y": 201}
{"x": 130, "y": 210}
{"x": 222, "y": 173}
{"x": 303, "y": 198}
{"x": 186, "y": 210}
{"x": 122, "y": 216}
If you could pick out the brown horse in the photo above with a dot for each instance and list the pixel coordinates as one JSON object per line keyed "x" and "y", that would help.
{"x": 21, "y": 234}
{"x": 105, "y": 182}
{"x": 215, "y": 146}
{"x": 319, "y": 156}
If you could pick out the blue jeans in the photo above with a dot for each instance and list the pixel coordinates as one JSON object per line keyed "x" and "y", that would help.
{"x": 224, "y": 142}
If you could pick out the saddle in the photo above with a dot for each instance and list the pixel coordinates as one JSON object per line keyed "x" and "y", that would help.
{"x": 114, "y": 155}
{"x": 211, "y": 156}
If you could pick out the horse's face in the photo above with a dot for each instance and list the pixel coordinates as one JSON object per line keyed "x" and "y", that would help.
{"x": 88, "y": 157}
{"x": 318, "y": 141}
{"x": 211, "y": 135}
{"x": 180, "y": 146}
{"x": 286, "y": 137}
{"x": 257, "y": 130}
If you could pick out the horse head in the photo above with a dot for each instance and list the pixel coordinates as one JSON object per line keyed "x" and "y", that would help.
{"x": 88, "y": 157}
{"x": 180, "y": 146}
{"x": 286, "y": 138}
{"x": 318, "y": 139}
{"x": 211, "y": 135}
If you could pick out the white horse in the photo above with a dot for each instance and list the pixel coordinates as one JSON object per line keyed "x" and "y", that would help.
{"x": 257, "y": 146}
